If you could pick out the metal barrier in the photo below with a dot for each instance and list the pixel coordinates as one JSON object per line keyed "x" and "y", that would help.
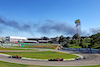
{"x": 83, "y": 50}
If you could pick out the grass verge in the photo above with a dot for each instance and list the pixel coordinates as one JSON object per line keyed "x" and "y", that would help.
{"x": 40, "y": 46}
{"x": 15, "y": 49}
{"x": 42, "y": 54}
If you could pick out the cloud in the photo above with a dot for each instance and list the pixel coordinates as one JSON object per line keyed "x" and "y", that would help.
{"x": 56, "y": 27}
{"x": 94, "y": 30}
{"x": 85, "y": 33}
{"x": 48, "y": 27}
{"x": 15, "y": 25}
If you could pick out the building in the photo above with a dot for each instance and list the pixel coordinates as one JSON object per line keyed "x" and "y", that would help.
{"x": 15, "y": 39}
{"x": 30, "y": 41}
{"x": 39, "y": 40}
{"x": 34, "y": 39}
{"x": 26, "y": 40}
{"x": 44, "y": 41}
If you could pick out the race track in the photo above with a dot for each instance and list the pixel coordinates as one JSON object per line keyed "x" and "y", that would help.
{"x": 91, "y": 59}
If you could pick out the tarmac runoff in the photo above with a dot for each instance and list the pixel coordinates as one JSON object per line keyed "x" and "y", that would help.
{"x": 91, "y": 59}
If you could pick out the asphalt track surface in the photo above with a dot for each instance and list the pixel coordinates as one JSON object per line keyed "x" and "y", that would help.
{"x": 91, "y": 59}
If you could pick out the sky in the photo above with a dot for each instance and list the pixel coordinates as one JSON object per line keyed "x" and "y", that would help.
{"x": 50, "y": 18}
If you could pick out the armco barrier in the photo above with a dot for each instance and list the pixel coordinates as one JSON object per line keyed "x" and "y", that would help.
{"x": 83, "y": 50}
{"x": 99, "y": 52}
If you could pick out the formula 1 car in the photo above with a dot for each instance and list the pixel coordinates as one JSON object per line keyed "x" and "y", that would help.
{"x": 99, "y": 52}
{"x": 18, "y": 57}
{"x": 58, "y": 59}
{"x": 79, "y": 58}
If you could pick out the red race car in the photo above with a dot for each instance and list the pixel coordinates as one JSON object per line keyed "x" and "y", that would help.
{"x": 16, "y": 56}
{"x": 58, "y": 59}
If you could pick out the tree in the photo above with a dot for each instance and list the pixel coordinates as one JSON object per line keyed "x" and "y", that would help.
{"x": 75, "y": 36}
{"x": 81, "y": 43}
{"x": 67, "y": 38}
{"x": 61, "y": 39}
{"x": 86, "y": 39}
{"x": 83, "y": 37}
{"x": 3, "y": 40}
{"x": 96, "y": 38}
{"x": 72, "y": 42}
{"x": 66, "y": 45}
{"x": 45, "y": 38}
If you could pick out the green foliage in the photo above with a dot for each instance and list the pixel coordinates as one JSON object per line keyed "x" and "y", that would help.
{"x": 88, "y": 40}
{"x": 85, "y": 45}
{"x": 77, "y": 42}
{"x": 61, "y": 39}
{"x": 68, "y": 45}
{"x": 67, "y": 38}
{"x": 95, "y": 41}
{"x": 81, "y": 43}
{"x": 96, "y": 38}
{"x": 75, "y": 36}
{"x": 71, "y": 42}
{"x": 82, "y": 37}
{"x": 75, "y": 47}
{"x": 96, "y": 46}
